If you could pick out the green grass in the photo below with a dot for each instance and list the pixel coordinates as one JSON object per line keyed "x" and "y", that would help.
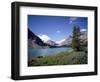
{"x": 63, "y": 58}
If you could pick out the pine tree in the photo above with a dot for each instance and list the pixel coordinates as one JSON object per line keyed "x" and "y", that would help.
{"x": 76, "y": 38}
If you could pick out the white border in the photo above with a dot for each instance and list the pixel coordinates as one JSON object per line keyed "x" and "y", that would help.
{"x": 25, "y": 70}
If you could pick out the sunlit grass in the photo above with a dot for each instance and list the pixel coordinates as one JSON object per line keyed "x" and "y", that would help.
{"x": 63, "y": 58}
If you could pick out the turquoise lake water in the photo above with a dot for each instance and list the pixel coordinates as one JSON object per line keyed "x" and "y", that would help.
{"x": 45, "y": 52}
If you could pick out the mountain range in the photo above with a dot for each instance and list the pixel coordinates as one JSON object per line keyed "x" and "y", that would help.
{"x": 35, "y": 42}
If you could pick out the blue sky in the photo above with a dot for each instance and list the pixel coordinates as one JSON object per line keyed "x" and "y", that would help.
{"x": 55, "y": 28}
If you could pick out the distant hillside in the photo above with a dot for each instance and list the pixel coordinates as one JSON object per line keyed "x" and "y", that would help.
{"x": 52, "y": 43}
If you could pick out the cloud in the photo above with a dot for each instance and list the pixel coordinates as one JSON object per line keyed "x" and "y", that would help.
{"x": 44, "y": 37}
{"x": 60, "y": 41}
{"x": 83, "y": 30}
{"x": 58, "y": 31}
{"x": 72, "y": 19}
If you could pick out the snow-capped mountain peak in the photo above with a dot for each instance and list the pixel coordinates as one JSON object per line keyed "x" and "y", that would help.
{"x": 58, "y": 42}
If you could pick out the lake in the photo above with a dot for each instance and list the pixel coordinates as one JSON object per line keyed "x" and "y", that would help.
{"x": 45, "y": 52}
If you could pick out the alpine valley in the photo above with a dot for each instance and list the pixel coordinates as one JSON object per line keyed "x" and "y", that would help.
{"x": 36, "y": 42}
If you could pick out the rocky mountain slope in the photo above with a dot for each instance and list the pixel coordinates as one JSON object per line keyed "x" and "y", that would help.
{"x": 52, "y": 43}
{"x": 34, "y": 41}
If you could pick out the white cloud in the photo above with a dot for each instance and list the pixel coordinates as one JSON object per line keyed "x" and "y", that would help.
{"x": 44, "y": 37}
{"x": 60, "y": 41}
{"x": 58, "y": 31}
{"x": 83, "y": 30}
{"x": 72, "y": 19}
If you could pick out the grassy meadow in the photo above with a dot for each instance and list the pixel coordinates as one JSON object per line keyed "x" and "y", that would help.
{"x": 63, "y": 58}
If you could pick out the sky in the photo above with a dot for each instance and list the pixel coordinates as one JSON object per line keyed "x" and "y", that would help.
{"x": 55, "y": 28}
